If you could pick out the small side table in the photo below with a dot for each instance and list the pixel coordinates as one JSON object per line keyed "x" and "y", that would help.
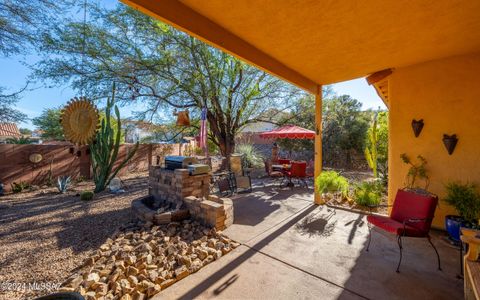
{"x": 471, "y": 266}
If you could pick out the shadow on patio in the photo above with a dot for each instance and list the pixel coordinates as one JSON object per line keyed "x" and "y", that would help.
{"x": 300, "y": 250}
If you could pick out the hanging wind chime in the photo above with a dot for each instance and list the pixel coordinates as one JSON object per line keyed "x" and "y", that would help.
{"x": 80, "y": 118}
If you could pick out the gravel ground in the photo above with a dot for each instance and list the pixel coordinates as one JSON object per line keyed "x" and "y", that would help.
{"x": 45, "y": 236}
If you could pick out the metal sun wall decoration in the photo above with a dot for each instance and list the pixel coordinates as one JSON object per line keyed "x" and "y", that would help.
{"x": 80, "y": 121}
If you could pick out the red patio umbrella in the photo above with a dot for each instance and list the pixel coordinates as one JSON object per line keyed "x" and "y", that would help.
{"x": 289, "y": 132}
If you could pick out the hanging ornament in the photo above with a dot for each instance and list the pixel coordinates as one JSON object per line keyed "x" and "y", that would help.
{"x": 80, "y": 121}
{"x": 183, "y": 119}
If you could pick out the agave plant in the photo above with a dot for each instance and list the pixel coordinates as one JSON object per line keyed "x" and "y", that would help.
{"x": 63, "y": 182}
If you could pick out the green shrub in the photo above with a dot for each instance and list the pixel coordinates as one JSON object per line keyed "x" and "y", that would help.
{"x": 466, "y": 199}
{"x": 368, "y": 193}
{"x": 19, "y": 187}
{"x": 331, "y": 181}
{"x": 86, "y": 195}
{"x": 251, "y": 158}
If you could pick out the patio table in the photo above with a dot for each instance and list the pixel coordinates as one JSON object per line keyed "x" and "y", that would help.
{"x": 284, "y": 168}
{"x": 281, "y": 168}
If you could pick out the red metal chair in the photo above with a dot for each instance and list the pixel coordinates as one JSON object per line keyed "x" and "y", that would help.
{"x": 284, "y": 161}
{"x": 273, "y": 174}
{"x": 411, "y": 216}
{"x": 298, "y": 170}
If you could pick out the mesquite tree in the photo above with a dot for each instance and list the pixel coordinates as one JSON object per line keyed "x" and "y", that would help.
{"x": 8, "y": 113}
{"x": 163, "y": 69}
{"x": 104, "y": 149}
{"x": 22, "y": 22}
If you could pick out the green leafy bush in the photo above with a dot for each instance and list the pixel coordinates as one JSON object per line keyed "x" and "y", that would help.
{"x": 466, "y": 200}
{"x": 86, "y": 195}
{"x": 251, "y": 157}
{"x": 331, "y": 181}
{"x": 368, "y": 193}
{"x": 19, "y": 187}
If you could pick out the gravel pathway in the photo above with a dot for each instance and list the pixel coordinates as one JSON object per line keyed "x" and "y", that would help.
{"x": 45, "y": 236}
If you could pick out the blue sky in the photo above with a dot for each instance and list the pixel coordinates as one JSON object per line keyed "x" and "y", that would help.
{"x": 14, "y": 75}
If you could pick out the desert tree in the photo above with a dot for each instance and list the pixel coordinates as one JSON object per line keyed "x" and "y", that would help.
{"x": 161, "y": 69}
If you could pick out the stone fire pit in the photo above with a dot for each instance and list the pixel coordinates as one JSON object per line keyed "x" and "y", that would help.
{"x": 175, "y": 196}
{"x": 159, "y": 212}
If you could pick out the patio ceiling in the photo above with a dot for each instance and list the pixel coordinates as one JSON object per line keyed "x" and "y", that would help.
{"x": 314, "y": 42}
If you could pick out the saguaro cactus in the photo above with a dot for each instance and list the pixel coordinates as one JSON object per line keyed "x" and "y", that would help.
{"x": 104, "y": 149}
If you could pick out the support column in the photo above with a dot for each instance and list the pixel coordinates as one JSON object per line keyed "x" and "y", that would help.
{"x": 318, "y": 141}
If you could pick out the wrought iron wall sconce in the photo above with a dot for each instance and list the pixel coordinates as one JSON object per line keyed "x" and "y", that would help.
{"x": 450, "y": 142}
{"x": 417, "y": 127}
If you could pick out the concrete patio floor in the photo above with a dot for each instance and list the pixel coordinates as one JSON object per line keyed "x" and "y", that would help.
{"x": 293, "y": 249}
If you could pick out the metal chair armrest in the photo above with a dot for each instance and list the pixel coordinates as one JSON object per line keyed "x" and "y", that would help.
{"x": 416, "y": 220}
{"x": 413, "y": 220}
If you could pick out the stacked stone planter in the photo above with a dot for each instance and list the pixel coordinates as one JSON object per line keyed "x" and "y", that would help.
{"x": 213, "y": 211}
{"x": 173, "y": 186}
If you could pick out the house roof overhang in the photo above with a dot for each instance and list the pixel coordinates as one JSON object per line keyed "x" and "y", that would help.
{"x": 310, "y": 43}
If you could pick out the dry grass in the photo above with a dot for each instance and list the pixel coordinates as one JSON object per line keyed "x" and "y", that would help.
{"x": 45, "y": 236}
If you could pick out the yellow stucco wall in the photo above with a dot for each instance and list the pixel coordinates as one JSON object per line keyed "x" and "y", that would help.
{"x": 446, "y": 95}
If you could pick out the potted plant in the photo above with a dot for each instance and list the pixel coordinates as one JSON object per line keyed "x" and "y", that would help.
{"x": 466, "y": 200}
{"x": 417, "y": 172}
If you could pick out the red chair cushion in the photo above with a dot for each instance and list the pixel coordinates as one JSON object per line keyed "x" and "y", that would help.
{"x": 298, "y": 169}
{"x": 283, "y": 161}
{"x": 410, "y": 205}
{"x": 394, "y": 227}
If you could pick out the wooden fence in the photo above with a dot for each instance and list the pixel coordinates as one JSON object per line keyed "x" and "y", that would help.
{"x": 58, "y": 160}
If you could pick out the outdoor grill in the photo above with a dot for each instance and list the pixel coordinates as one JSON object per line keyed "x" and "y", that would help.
{"x": 179, "y": 162}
